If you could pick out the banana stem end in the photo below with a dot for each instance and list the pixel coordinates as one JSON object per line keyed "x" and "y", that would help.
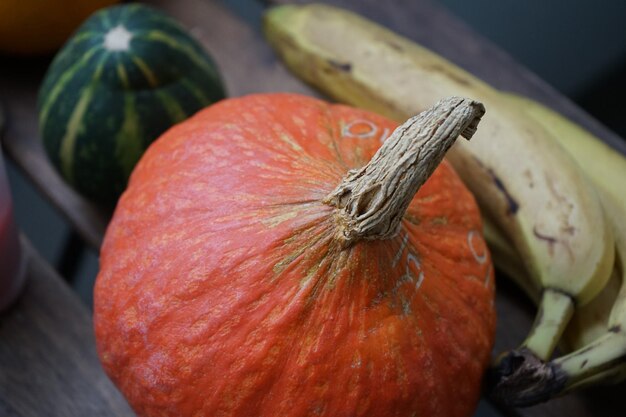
{"x": 520, "y": 379}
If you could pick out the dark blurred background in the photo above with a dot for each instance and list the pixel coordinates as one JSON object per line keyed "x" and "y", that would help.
{"x": 578, "y": 46}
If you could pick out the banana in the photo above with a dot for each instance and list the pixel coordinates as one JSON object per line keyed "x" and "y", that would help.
{"x": 601, "y": 360}
{"x": 607, "y": 170}
{"x": 601, "y": 163}
{"x": 527, "y": 185}
{"x": 589, "y": 321}
{"x": 600, "y": 333}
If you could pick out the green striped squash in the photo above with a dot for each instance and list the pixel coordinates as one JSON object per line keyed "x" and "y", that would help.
{"x": 128, "y": 74}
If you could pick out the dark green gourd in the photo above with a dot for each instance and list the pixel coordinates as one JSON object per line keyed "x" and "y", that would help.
{"x": 127, "y": 75}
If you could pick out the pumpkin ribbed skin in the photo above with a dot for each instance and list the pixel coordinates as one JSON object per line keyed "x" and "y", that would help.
{"x": 222, "y": 290}
{"x": 128, "y": 74}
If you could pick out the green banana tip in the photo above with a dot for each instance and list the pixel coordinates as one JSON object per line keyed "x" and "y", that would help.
{"x": 520, "y": 379}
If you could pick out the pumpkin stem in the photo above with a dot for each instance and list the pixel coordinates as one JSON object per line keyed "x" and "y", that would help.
{"x": 372, "y": 200}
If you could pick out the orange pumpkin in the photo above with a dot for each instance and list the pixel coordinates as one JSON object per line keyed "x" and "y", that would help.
{"x": 229, "y": 286}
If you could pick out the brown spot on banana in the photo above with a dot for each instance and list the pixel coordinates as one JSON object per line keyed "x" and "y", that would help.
{"x": 549, "y": 239}
{"x": 566, "y": 225}
{"x": 569, "y": 229}
{"x": 393, "y": 45}
{"x": 529, "y": 176}
{"x": 452, "y": 75}
{"x": 512, "y": 204}
{"x": 341, "y": 66}
{"x": 552, "y": 241}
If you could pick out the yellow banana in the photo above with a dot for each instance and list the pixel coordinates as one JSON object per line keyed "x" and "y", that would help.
{"x": 526, "y": 184}
{"x": 589, "y": 321}
{"x": 607, "y": 170}
{"x": 601, "y": 163}
{"x": 600, "y": 360}
{"x": 599, "y": 334}
{"x": 609, "y": 350}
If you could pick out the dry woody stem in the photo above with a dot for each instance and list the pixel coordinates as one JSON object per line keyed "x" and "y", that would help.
{"x": 372, "y": 200}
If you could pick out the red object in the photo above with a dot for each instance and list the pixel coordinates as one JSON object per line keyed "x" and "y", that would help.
{"x": 223, "y": 293}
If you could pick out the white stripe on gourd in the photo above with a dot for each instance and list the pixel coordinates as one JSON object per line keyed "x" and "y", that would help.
{"x": 59, "y": 86}
{"x": 75, "y": 126}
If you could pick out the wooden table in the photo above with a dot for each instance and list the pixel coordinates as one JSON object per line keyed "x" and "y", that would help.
{"x": 48, "y": 363}
{"x": 49, "y": 348}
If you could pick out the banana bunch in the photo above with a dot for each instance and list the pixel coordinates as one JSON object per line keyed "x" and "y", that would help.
{"x": 596, "y": 337}
{"x": 550, "y": 222}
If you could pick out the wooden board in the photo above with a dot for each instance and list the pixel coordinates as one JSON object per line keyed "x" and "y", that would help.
{"x": 48, "y": 362}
